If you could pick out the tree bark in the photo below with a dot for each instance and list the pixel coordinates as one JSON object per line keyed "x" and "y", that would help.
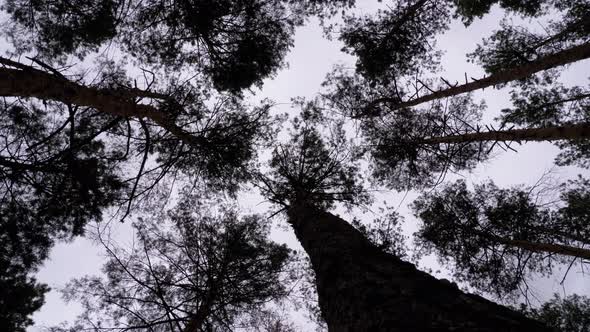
{"x": 361, "y": 288}
{"x": 559, "y": 249}
{"x": 26, "y": 81}
{"x": 570, "y": 132}
{"x": 564, "y": 57}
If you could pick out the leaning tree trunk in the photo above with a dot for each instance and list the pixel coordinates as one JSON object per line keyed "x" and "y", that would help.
{"x": 361, "y": 288}
{"x": 26, "y": 81}
{"x": 561, "y": 58}
{"x": 560, "y": 249}
{"x": 569, "y": 132}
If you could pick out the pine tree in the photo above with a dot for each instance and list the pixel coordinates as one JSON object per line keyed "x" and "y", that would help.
{"x": 496, "y": 239}
{"x": 76, "y": 146}
{"x": 79, "y": 142}
{"x": 361, "y": 287}
{"x": 199, "y": 266}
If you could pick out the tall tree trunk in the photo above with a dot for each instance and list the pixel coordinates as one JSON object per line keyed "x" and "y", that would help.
{"x": 361, "y": 288}
{"x": 570, "y": 132}
{"x": 26, "y": 81}
{"x": 561, "y": 58}
{"x": 559, "y": 249}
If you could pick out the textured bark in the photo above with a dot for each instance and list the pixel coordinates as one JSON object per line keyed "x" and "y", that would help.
{"x": 571, "y": 132}
{"x": 361, "y": 288}
{"x": 25, "y": 81}
{"x": 564, "y": 57}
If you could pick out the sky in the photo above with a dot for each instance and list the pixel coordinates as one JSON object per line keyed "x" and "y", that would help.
{"x": 310, "y": 60}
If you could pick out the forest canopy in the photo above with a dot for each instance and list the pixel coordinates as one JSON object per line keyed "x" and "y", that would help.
{"x": 152, "y": 121}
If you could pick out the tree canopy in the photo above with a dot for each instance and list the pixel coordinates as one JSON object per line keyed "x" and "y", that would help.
{"x": 190, "y": 269}
{"x": 498, "y": 238}
{"x": 140, "y": 111}
{"x": 569, "y": 313}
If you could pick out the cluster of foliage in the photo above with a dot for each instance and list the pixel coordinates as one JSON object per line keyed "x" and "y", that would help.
{"x": 488, "y": 233}
{"x": 399, "y": 41}
{"x": 401, "y": 156}
{"x": 313, "y": 168}
{"x": 563, "y": 314}
{"x": 226, "y": 39}
{"x": 57, "y": 177}
{"x": 192, "y": 268}
{"x": 236, "y": 44}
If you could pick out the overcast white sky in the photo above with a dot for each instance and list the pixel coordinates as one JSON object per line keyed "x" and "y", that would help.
{"x": 309, "y": 61}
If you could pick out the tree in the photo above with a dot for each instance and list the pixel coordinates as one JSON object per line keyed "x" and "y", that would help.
{"x": 20, "y": 296}
{"x": 63, "y": 164}
{"x": 70, "y": 139}
{"x": 497, "y": 238}
{"x": 360, "y": 287}
{"x": 181, "y": 122}
{"x": 412, "y": 150}
{"x": 563, "y": 314}
{"x": 410, "y": 147}
{"x": 194, "y": 268}
{"x": 395, "y": 48}
{"x": 417, "y": 128}
{"x": 236, "y": 44}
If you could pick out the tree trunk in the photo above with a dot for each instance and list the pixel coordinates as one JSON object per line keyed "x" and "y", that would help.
{"x": 564, "y": 57}
{"x": 26, "y": 81}
{"x": 559, "y": 249}
{"x": 361, "y": 288}
{"x": 214, "y": 284}
{"x": 571, "y": 132}
{"x": 197, "y": 322}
